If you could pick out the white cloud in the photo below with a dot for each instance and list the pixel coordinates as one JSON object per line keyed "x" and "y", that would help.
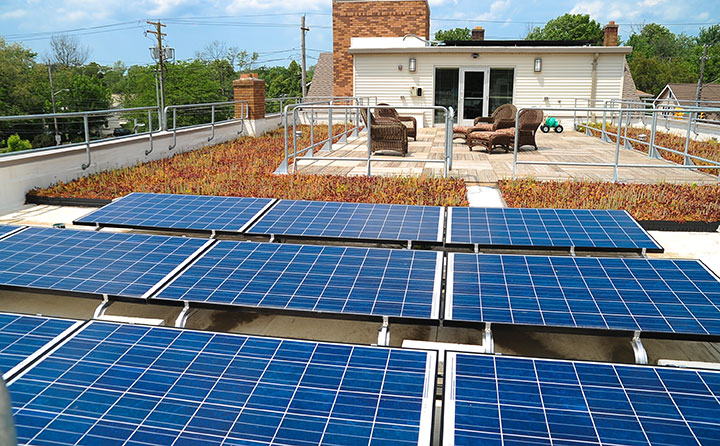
{"x": 238, "y": 6}
{"x": 15, "y": 14}
{"x": 497, "y": 10}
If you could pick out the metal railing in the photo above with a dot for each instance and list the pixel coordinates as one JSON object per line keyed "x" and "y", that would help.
{"x": 85, "y": 115}
{"x": 272, "y": 104}
{"x": 352, "y": 112}
{"x": 136, "y": 114}
{"x": 238, "y": 108}
{"x": 623, "y": 114}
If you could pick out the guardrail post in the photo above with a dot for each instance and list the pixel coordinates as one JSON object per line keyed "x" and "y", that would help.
{"x": 355, "y": 131}
{"x": 87, "y": 141}
{"x": 327, "y": 147}
{"x": 150, "y": 135}
{"x": 174, "y": 143}
{"x": 283, "y": 167}
{"x": 212, "y": 122}
{"x": 312, "y": 126}
{"x": 603, "y": 136}
{"x": 652, "y": 151}
{"x": 343, "y": 138}
{"x": 515, "y": 144}
{"x": 369, "y": 142}
{"x": 295, "y": 160}
{"x": 587, "y": 122}
{"x": 686, "y": 160}
{"x": 626, "y": 143}
{"x": 617, "y": 146}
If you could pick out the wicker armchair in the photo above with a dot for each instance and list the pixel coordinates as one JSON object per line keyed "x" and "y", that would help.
{"x": 503, "y": 117}
{"x": 528, "y": 123}
{"x": 386, "y": 134}
{"x": 408, "y": 121}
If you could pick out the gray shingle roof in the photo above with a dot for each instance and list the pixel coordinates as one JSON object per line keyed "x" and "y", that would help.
{"x": 322, "y": 81}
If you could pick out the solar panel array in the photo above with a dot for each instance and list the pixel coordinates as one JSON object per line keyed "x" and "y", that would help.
{"x": 5, "y": 230}
{"x": 23, "y": 336}
{"x": 134, "y": 385}
{"x": 127, "y": 265}
{"x": 171, "y": 211}
{"x": 347, "y": 280}
{"x": 323, "y": 219}
{"x": 498, "y": 400}
{"x": 661, "y": 295}
{"x": 548, "y": 228}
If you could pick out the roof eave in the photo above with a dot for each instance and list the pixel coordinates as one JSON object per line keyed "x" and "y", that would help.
{"x": 498, "y": 49}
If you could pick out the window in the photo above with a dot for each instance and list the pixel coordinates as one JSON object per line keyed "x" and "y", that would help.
{"x": 501, "y": 87}
{"x": 446, "y": 90}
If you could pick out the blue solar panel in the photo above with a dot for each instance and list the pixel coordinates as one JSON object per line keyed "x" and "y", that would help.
{"x": 170, "y": 211}
{"x": 118, "y": 384}
{"x": 126, "y": 265}
{"x": 333, "y": 279}
{"x": 660, "y": 295}
{"x": 22, "y": 337}
{"x": 6, "y": 230}
{"x": 495, "y": 400}
{"x": 548, "y": 228}
{"x": 366, "y": 221}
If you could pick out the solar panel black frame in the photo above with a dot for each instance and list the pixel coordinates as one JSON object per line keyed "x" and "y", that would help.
{"x": 127, "y": 376}
{"x": 580, "y": 299}
{"x": 287, "y": 234}
{"x": 650, "y": 246}
{"x": 434, "y": 318}
{"x": 31, "y": 351}
{"x": 111, "y": 262}
{"x": 129, "y": 201}
{"x": 642, "y": 390}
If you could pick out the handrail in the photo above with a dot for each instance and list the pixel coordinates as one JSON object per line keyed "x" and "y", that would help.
{"x": 652, "y": 147}
{"x": 369, "y": 159}
{"x": 244, "y": 113}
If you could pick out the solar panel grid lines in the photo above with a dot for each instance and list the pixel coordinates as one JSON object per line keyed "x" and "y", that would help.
{"x": 659, "y": 297}
{"x": 350, "y": 281}
{"x": 91, "y": 263}
{"x": 179, "y": 212}
{"x": 124, "y": 384}
{"x": 357, "y": 221}
{"x": 583, "y": 229}
{"x": 513, "y": 400}
{"x": 23, "y": 338}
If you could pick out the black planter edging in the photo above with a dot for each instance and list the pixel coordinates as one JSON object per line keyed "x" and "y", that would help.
{"x": 686, "y": 226}
{"x": 60, "y": 201}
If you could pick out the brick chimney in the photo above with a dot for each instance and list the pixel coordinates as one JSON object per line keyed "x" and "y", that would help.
{"x": 478, "y": 33}
{"x": 251, "y": 89}
{"x": 611, "y": 34}
{"x": 371, "y": 18}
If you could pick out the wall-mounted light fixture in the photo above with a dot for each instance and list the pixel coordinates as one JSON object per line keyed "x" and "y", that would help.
{"x": 412, "y": 65}
{"x": 475, "y": 55}
{"x": 399, "y": 67}
{"x": 538, "y": 65}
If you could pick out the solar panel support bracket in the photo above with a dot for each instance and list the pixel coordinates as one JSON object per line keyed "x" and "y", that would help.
{"x": 183, "y": 316}
{"x": 212, "y": 234}
{"x": 638, "y": 349}
{"x": 409, "y": 244}
{"x": 488, "y": 341}
{"x": 572, "y": 251}
{"x": 384, "y": 334}
{"x": 272, "y": 238}
{"x": 102, "y": 308}
{"x": 477, "y": 248}
{"x": 644, "y": 252}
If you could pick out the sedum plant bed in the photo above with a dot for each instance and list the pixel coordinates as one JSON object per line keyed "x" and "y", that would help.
{"x": 656, "y": 206}
{"x": 705, "y": 149}
{"x": 245, "y": 167}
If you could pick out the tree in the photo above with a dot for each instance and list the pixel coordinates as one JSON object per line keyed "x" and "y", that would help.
{"x": 281, "y": 81}
{"x": 655, "y": 40}
{"x": 651, "y": 74}
{"x": 445, "y": 35}
{"x": 569, "y": 27}
{"x": 709, "y": 36}
{"x": 222, "y": 59}
{"x": 67, "y": 51}
{"x": 15, "y": 144}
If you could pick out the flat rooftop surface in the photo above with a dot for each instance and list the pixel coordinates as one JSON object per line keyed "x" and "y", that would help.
{"x": 478, "y": 166}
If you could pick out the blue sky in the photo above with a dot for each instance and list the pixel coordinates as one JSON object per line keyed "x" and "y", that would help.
{"x": 114, "y": 29}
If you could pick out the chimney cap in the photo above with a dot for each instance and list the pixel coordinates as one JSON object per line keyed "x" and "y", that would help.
{"x": 478, "y": 27}
{"x": 611, "y": 23}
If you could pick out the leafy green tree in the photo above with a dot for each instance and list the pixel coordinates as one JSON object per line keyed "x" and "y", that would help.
{"x": 651, "y": 74}
{"x": 655, "y": 40}
{"x": 15, "y": 144}
{"x": 569, "y": 27}
{"x": 281, "y": 81}
{"x": 445, "y": 35}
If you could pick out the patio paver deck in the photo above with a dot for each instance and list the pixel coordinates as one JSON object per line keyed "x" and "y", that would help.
{"x": 480, "y": 167}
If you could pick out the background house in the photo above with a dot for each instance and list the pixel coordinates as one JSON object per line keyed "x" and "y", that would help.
{"x": 675, "y": 96}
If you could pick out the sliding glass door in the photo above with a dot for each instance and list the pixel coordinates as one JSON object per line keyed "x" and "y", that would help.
{"x": 474, "y": 85}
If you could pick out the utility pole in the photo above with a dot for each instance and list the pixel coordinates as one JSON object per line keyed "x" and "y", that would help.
{"x": 58, "y": 139}
{"x": 698, "y": 94}
{"x": 303, "y": 80}
{"x": 159, "y": 26}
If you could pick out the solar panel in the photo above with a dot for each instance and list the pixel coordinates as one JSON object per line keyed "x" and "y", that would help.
{"x": 499, "y": 400}
{"x": 171, "y": 211}
{"x": 127, "y": 384}
{"x": 332, "y": 279}
{"x": 24, "y": 337}
{"x": 609, "y": 230}
{"x": 7, "y": 230}
{"x": 127, "y": 265}
{"x": 363, "y": 221}
{"x": 656, "y": 296}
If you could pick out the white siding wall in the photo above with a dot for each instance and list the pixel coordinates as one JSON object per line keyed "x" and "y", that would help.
{"x": 564, "y": 77}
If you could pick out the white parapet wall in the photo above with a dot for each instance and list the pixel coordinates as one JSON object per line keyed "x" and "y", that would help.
{"x": 23, "y": 171}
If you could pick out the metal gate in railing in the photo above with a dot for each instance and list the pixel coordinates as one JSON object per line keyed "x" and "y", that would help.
{"x": 352, "y": 113}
